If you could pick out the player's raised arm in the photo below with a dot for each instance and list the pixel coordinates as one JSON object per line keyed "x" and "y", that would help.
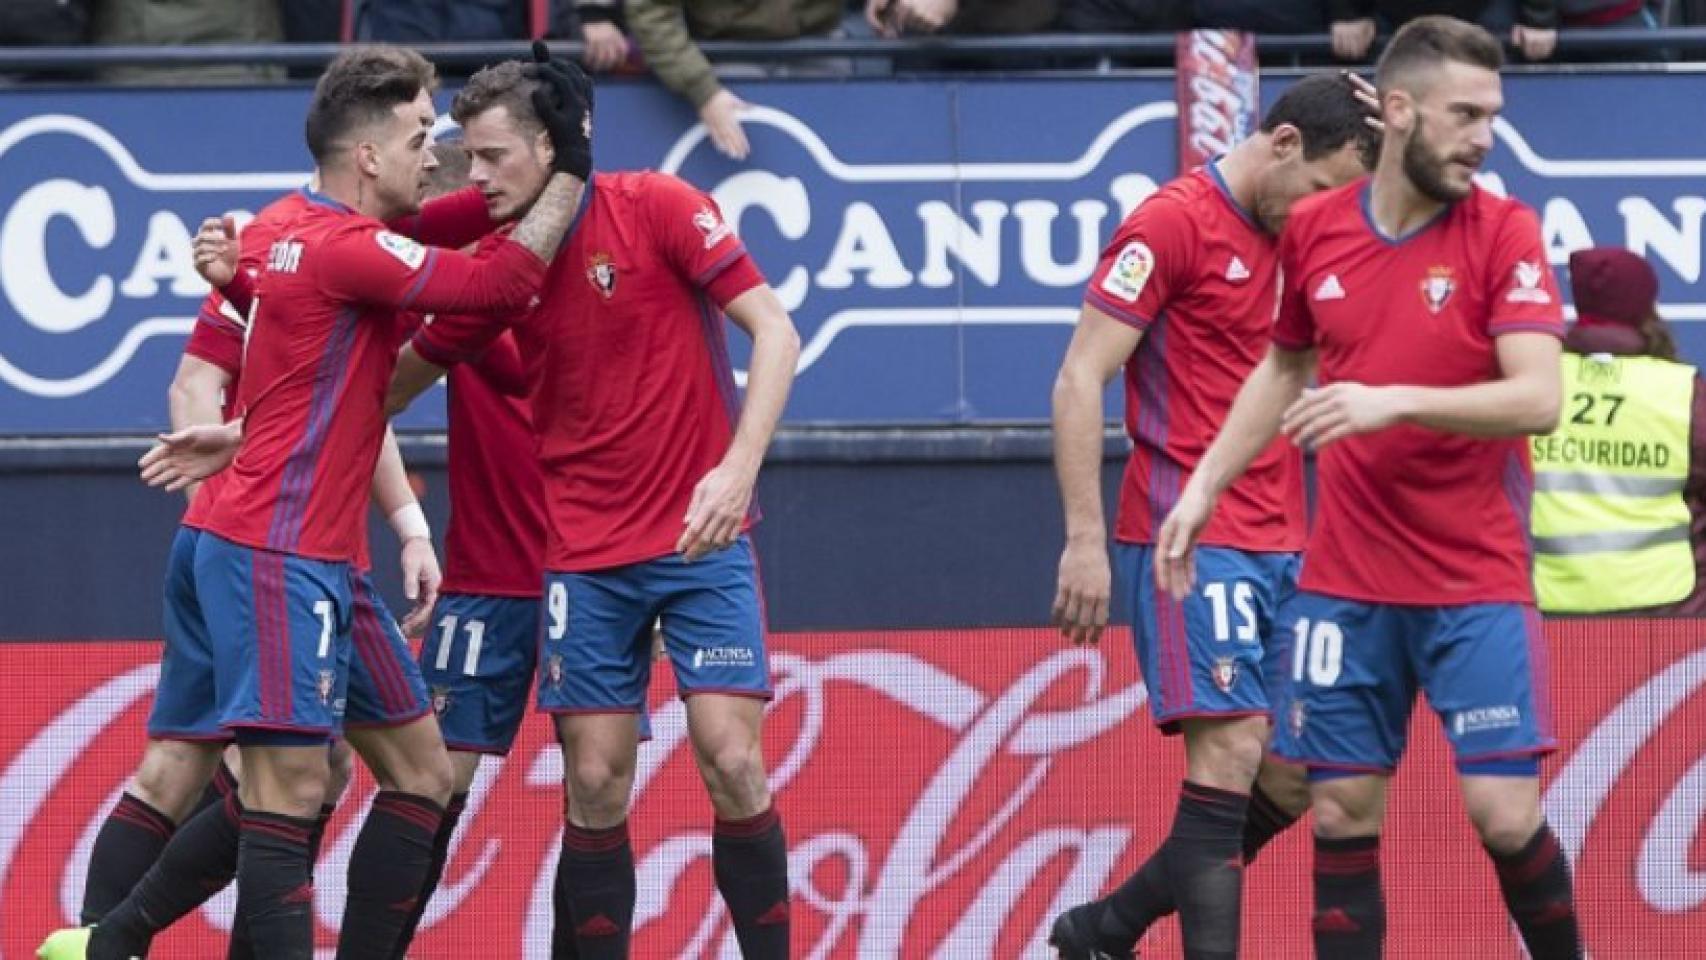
{"x": 1100, "y": 346}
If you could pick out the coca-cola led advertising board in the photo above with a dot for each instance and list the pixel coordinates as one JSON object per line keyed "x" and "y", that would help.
{"x": 930, "y": 238}
{"x": 945, "y": 793}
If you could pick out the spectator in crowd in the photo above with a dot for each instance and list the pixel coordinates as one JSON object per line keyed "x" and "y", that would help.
{"x": 1125, "y": 16}
{"x": 440, "y": 21}
{"x": 666, "y": 31}
{"x": 1625, "y": 14}
{"x": 1619, "y": 513}
{"x": 894, "y": 18}
{"x": 179, "y": 22}
{"x": 30, "y": 23}
{"x": 1531, "y": 24}
{"x": 603, "y": 29}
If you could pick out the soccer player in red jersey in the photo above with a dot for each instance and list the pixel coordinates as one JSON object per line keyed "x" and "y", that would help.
{"x": 1183, "y": 299}
{"x": 273, "y": 568}
{"x": 1433, "y": 316}
{"x": 649, "y": 462}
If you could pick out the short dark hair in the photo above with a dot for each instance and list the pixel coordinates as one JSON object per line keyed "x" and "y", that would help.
{"x": 504, "y": 85}
{"x": 362, "y": 85}
{"x": 1433, "y": 40}
{"x": 1326, "y": 112}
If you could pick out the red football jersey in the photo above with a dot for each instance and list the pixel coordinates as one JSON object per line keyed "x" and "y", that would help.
{"x": 1199, "y": 276}
{"x": 495, "y": 543}
{"x": 322, "y": 345}
{"x": 1409, "y": 515}
{"x": 633, "y": 396}
{"x": 220, "y": 326}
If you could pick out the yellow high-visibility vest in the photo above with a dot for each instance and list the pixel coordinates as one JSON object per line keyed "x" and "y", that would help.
{"x": 1609, "y": 522}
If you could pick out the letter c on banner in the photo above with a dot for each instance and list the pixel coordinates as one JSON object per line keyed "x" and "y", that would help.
{"x": 28, "y": 281}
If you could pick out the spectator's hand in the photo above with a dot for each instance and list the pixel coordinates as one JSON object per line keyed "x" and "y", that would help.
{"x": 216, "y": 250}
{"x": 921, "y": 16}
{"x": 1535, "y": 43}
{"x": 1082, "y": 591}
{"x": 606, "y": 47}
{"x": 877, "y": 15}
{"x": 721, "y": 117}
{"x": 1325, "y": 414}
{"x": 1352, "y": 38}
{"x": 421, "y": 579}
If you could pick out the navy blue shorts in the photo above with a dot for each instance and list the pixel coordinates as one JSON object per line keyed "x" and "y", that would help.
{"x": 1220, "y": 652}
{"x": 185, "y": 700}
{"x": 596, "y": 648}
{"x": 478, "y": 664}
{"x": 1357, "y": 666}
{"x": 385, "y": 686}
{"x": 279, "y": 628}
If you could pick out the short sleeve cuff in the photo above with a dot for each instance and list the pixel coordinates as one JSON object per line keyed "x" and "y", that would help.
{"x": 1124, "y": 314}
{"x": 1287, "y": 341}
{"x": 732, "y": 279}
{"x": 1527, "y": 326}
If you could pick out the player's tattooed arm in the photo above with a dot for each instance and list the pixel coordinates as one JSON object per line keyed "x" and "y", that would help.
{"x": 541, "y": 231}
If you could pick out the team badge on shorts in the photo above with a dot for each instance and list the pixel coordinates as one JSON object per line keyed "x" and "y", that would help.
{"x": 324, "y": 686}
{"x": 1225, "y": 673}
{"x": 1297, "y": 717}
{"x": 440, "y": 700}
{"x": 554, "y": 670}
{"x": 601, "y": 270}
{"x": 1438, "y": 287}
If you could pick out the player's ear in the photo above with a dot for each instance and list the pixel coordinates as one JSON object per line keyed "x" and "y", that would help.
{"x": 1398, "y": 109}
{"x": 542, "y": 149}
{"x": 1286, "y": 141}
{"x": 367, "y": 158}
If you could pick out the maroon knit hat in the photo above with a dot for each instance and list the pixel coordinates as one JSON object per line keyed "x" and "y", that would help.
{"x": 1612, "y": 286}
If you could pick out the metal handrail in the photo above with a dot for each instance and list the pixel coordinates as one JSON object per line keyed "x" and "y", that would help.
{"x": 1005, "y": 48}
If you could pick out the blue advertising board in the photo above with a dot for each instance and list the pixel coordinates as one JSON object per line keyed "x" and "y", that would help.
{"x": 930, "y": 237}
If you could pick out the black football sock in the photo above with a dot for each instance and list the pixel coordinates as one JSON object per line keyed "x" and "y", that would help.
{"x": 1350, "y": 912}
{"x": 594, "y": 894}
{"x": 387, "y": 871}
{"x": 198, "y": 863}
{"x": 435, "y": 871}
{"x": 1205, "y": 868}
{"x": 275, "y": 885}
{"x": 129, "y": 842}
{"x": 1536, "y": 885}
{"x": 1263, "y": 821}
{"x": 749, "y": 859}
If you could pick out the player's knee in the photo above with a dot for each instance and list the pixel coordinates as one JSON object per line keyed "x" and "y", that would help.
{"x": 735, "y": 771}
{"x": 340, "y": 767}
{"x": 428, "y": 775}
{"x": 595, "y": 777}
{"x": 1505, "y": 828}
{"x": 172, "y": 776}
{"x": 1225, "y": 753}
{"x": 1344, "y": 810}
{"x": 1286, "y": 784}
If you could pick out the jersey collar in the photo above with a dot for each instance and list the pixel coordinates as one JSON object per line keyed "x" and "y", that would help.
{"x": 1366, "y": 202}
{"x": 321, "y": 200}
{"x": 1212, "y": 168}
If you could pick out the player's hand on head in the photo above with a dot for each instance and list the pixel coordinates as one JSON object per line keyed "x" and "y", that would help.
{"x": 1327, "y": 414}
{"x": 215, "y": 248}
{"x": 721, "y": 117}
{"x": 421, "y": 580}
{"x": 194, "y": 453}
{"x": 1367, "y": 95}
{"x": 1082, "y": 593}
{"x": 717, "y": 512}
{"x": 563, "y": 100}
{"x": 1176, "y": 545}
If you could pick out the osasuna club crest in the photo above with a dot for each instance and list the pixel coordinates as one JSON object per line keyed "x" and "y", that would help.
{"x": 1437, "y": 288}
{"x": 601, "y": 271}
{"x": 1225, "y": 673}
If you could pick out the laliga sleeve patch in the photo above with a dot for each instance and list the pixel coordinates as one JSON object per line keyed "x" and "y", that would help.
{"x": 1130, "y": 272}
{"x": 408, "y": 251}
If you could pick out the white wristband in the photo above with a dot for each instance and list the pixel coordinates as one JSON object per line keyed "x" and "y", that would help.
{"x": 410, "y": 521}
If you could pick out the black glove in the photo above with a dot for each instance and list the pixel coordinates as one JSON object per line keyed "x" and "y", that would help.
{"x": 563, "y": 101}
